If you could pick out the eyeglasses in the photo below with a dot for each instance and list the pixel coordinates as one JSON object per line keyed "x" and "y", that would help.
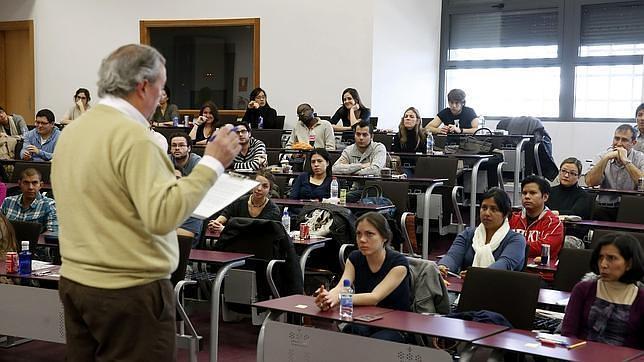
{"x": 258, "y": 98}
{"x": 569, "y": 173}
{"x": 242, "y": 131}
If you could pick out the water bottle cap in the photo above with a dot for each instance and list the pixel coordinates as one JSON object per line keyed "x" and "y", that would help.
{"x": 25, "y": 244}
{"x": 346, "y": 283}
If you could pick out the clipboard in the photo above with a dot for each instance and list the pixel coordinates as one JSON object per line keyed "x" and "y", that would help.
{"x": 229, "y": 187}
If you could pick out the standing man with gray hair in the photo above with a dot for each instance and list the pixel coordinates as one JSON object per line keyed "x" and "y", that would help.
{"x": 620, "y": 167}
{"x": 119, "y": 206}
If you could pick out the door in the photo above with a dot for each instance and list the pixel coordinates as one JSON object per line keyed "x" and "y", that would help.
{"x": 17, "y": 88}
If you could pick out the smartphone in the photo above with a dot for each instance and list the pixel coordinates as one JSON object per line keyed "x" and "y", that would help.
{"x": 367, "y": 317}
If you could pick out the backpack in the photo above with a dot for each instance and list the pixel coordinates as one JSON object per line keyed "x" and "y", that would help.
{"x": 319, "y": 221}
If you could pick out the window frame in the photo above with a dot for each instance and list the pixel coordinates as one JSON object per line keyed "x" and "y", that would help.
{"x": 144, "y": 34}
{"x": 569, "y": 41}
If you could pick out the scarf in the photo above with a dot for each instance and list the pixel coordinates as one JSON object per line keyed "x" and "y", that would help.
{"x": 13, "y": 130}
{"x": 483, "y": 252}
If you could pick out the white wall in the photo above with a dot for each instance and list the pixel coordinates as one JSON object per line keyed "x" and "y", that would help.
{"x": 310, "y": 52}
{"x": 406, "y": 43}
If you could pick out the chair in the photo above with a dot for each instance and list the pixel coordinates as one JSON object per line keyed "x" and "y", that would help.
{"x": 426, "y": 121}
{"x": 396, "y": 191}
{"x": 630, "y": 209}
{"x": 437, "y": 167}
{"x": 43, "y": 167}
{"x": 279, "y": 122}
{"x": 167, "y": 132}
{"x": 27, "y": 231}
{"x": 511, "y": 294}
{"x": 374, "y": 122}
{"x": 385, "y": 139}
{"x": 573, "y": 265}
{"x": 272, "y": 138}
{"x": 600, "y": 233}
{"x": 408, "y": 226}
{"x": 198, "y": 149}
{"x": 185, "y": 245}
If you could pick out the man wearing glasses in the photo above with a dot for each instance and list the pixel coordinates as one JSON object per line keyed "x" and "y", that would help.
{"x": 620, "y": 167}
{"x": 182, "y": 159}
{"x": 253, "y": 151}
{"x": 40, "y": 142}
{"x": 568, "y": 198}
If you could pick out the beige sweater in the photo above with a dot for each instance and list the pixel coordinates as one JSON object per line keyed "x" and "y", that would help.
{"x": 119, "y": 202}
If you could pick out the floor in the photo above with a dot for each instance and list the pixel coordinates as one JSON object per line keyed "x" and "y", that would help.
{"x": 237, "y": 341}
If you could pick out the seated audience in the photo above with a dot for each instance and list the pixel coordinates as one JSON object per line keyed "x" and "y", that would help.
{"x": 40, "y": 142}
{"x": 468, "y": 122}
{"x": 259, "y": 111}
{"x": 31, "y": 205}
{"x": 351, "y": 112}
{"x": 13, "y": 125}
{"x": 410, "y": 138}
{"x": 256, "y": 205}
{"x": 379, "y": 275}
{"x": 253, "y": 153}
{"x": 568, "y": 198}
{"x": 609, "y": 308}
{"x": 639, "y": 119}
{"x": 536, "y": 222}
{"x": 620, "y": 167}
{"x": 317, "y": 183}
{"x": 184, "y": 161}
{"x": 204, "y": 126}
{"x": 81, "y": 105}
{"x": 491, "y": 244}
{"x": 165, "y": 112}
{"x": 180, "y": 153}
{"x": 364, "y": 157}
{"x": 310, "y": 125}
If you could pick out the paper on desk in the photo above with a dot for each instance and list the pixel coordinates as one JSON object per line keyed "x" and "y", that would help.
{"x": 37, "y": 265}
{"x": 227, "y": 189}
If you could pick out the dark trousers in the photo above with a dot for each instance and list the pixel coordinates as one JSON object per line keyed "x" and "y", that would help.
{"x": 130, "y": 324}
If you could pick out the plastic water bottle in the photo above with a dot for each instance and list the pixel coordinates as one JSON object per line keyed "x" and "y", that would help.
{"x": 335, "y": 188}
{"x": 286, "y": 220}
{"x": 260, "y": 122}
{"x": 481, "y": 122}
{"x": 24, "y": 259}
{"x": 430, "y": 143}
{"x": 346, "y": 300}
{"x": 175, "y": 121}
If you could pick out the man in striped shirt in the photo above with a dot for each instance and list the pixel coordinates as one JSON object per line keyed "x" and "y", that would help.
{"x": 253, "y": 151}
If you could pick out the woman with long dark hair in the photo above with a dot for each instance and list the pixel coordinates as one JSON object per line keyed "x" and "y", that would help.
{"x": 206, "y": 124}
{"x": 259, "y": 111}
{"x": 351, "y": 112}
{"x": 317, "y": 183}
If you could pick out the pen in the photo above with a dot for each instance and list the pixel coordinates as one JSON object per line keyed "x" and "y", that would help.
{"x": 212, "y": 138}
{"x": 572, "y": 346}
{"x": 453, "y": 274}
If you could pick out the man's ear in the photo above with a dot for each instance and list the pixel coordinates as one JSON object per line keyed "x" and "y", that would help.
{"x": 546, "y": 197}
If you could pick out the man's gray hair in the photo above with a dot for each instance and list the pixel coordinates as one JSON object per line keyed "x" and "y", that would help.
{"x": 126, "y": 67}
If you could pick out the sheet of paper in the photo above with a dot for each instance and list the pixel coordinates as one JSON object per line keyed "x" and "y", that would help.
{"x": 227, "y": 189}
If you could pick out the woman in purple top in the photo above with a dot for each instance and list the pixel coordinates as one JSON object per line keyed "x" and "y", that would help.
{"x": 610, "y": 308}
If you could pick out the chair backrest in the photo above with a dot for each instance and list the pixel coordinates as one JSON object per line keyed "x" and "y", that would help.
{"x": 185, "y": 244}
{"x": 599, "y": 233}
{"x": 272, "y": 138}
{"x": 573, "y": 264}
{"x": 167, "y": 132}
{"x": 279, "y": 122}
{"x": 630, "y": 209}
{"x": 437, "y": 167}
{"x": 27, "y": 231}
{"x": 511, "y": 294}
{"x": 426, "y": 121}
{"x": 43, "y": 167}
{"x": 396, "y": 191}
{"x": 273, "y": 157}
{"x": 374, "y": 122}
{"x": 385, "y": 139}
{"x": 198, "y": 149}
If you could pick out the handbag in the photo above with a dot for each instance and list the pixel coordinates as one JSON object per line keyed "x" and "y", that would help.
{"x": 476, "y": 145}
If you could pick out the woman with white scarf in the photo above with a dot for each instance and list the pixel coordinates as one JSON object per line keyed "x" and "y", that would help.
{"x": 490, "y": 245}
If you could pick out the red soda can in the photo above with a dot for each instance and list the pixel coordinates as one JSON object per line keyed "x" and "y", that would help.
{"x": 12, "y": 262}
{"x": 304, "y": 231}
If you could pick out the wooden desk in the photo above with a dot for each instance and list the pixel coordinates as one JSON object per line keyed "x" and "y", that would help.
{"x": 613, "y": 191}
{"x": 516, "y": 340}
{"x": 348, "y": 205}
{"x": 624, "y": 226}
{"x": 226, "y": 261}
{"x": 49, "y": 273}
{"x": 548, "y": 268}
{"x": 546, "y": 296}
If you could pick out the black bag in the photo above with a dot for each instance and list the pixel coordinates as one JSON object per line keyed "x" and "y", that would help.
{"x": 476, "y": 145}
{"x": 372, "y": 195}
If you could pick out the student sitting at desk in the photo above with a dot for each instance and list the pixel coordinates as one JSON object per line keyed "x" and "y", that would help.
{"x": 309, "y": 125}
{"x": 468, "y": 121}
{"x": 364, "y": 157}
{"x": 31, "y": 205}
{"x": 351, "y": 112}
{"x": 259, "y": 114}
{"x": 568, "y": 198}
{"x": 317, "y": 184}
{"x": 379, "y": 275}
{"x": 610, "y": 307}
{"x": 256, "y": 205}
{"x": 166, "y": 112}
{"x": 492, "y": 244}
{"x": 410, "y": 138}
{"x": 206, "y": 124}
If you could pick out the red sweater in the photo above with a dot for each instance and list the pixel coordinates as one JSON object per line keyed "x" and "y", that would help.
{"x": 547, "y": 229}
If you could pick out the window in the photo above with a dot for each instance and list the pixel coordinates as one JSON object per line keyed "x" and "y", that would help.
{"x": 513, "y": 58}
{"x": 207, "y": 60}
